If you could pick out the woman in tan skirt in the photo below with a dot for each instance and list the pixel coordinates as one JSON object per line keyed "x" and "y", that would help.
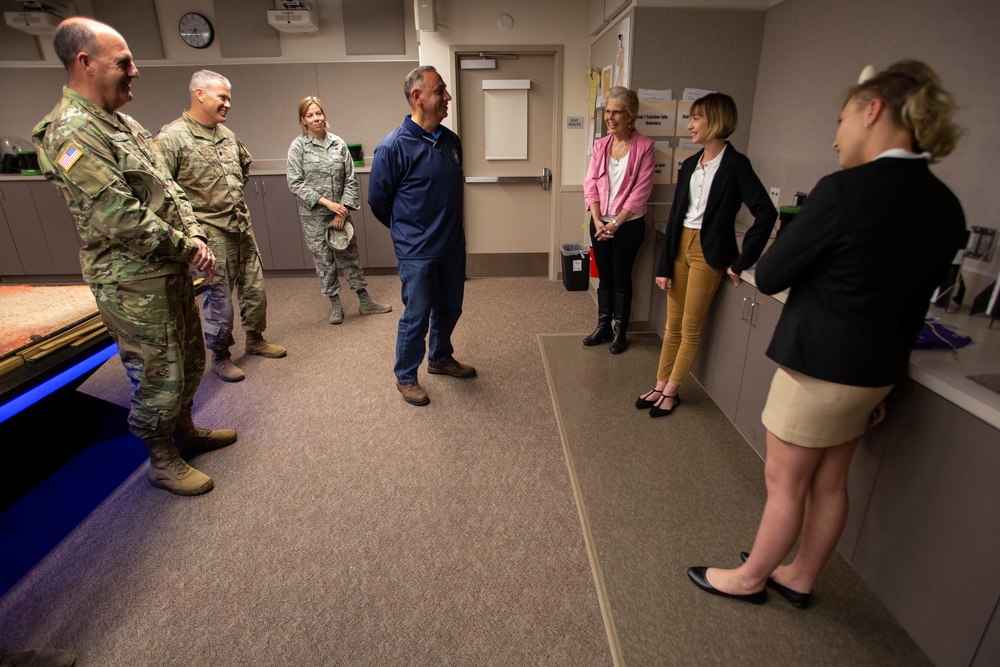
{"x": 861, "y": 261}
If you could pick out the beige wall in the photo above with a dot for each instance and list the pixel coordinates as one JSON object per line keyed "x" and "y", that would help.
{"x": 562, "y": 22}
{"x": 363, "y": 95}
{"x": 813, "y": 52}
{"x": 327, "y": 45}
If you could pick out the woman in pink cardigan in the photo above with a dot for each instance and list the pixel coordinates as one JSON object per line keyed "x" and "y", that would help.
{"x": 619, "y": 180}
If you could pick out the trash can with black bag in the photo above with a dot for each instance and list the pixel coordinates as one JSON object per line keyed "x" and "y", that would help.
{"x": 576, "y": 266}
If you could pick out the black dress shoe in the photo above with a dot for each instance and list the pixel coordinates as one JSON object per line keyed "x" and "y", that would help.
{"x": 644, "y": 404}
{"x": 798, "y": 600}
{"x": 697, "y": 575}
{"x": 657, "y": 411}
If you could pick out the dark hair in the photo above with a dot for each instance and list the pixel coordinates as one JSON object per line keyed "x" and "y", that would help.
{"x": 719, "y": 111}
{"x": 913, "y": 94}
{"x": 71, "y": 38}
{"x": 415, "y": 77}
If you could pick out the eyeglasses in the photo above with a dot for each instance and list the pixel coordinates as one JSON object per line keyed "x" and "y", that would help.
{"x": 615, "y": 113}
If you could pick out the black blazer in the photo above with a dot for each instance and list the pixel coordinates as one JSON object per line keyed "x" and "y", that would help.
{"x": 862, "y": 259}
{"x": 735, "y": 184}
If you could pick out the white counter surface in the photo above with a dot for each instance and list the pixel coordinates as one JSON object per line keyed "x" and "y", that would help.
{"x": 945, "y": 372}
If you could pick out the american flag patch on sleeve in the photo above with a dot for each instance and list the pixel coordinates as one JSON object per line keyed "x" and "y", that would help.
{"x": 69, "y": 156}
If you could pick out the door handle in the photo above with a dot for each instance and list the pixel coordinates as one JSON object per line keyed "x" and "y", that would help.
{"x": 743, "y": 309}
{"x": 545, "y": 179}
{"x": 753, "y": 311}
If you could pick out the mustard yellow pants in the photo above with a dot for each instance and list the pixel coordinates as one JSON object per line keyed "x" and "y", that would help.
{"x": 691, "y": 291}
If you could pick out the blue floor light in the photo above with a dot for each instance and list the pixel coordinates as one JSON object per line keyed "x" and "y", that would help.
{"x": 53, "y": 384}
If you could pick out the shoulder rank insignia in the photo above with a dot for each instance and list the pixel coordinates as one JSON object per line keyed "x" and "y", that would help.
{"x": 69, "y": 156}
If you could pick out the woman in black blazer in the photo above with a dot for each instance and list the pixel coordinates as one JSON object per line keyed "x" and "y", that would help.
{"x": 700, "y": 245}
{"x": 861, "y": 262}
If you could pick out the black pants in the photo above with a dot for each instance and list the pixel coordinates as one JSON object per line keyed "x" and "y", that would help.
{"x": 616, "y": 257}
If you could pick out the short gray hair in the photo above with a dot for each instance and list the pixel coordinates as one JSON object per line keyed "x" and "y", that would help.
{"x": 415, "y": 78}
{"x": 204, "y": 77}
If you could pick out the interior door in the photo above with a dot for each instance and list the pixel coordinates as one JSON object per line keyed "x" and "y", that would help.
{"x": 513, "y": 213}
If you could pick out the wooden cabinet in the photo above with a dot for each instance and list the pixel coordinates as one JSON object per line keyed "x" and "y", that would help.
{"x": 36, "y": 231}
{"x": 922, "y": 524}
{"x": 10, "y": 262}
{"x": 58, "y": 226}
{"x": 26, "y": 229}
{"x": 731, "y": 364}
{"x": 928, "y": 544}
{"x": 275, "y": 217}
{"x": 758, "y": 369}
{"x": 378, "y": 242}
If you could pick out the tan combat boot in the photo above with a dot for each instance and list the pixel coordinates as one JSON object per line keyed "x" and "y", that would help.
{"x": 224, "y": 367}
{"x": 192, "y": 440}
{"x": 257, "y": 345}
{"x": 369, "y": 307}
{"x": 337, "y": 314}
{"x": 167, "y": 470}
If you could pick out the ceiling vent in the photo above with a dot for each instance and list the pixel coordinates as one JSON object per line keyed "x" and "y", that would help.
{"x": 295, "y": 17}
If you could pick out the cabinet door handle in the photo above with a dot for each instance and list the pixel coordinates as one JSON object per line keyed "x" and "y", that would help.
{"x": 263, "y": 184}
{"x": 743, "y": 309}
{"x": 753, "y": 311}
{"x": 256, "y": 187}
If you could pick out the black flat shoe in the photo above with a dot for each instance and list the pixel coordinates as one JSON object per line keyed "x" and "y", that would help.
{"x": 796, "y": 599}
{"x": 657, "y": 411}
{"x": 643, "y": 404}
{"x": 697, "y": 575}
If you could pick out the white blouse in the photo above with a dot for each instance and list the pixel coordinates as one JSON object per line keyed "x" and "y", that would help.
{"x": 701, "y": 185}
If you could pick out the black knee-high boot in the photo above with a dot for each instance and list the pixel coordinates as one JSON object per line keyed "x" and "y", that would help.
{"x": 605, "y": 299}
{"x": 623, "y": 307}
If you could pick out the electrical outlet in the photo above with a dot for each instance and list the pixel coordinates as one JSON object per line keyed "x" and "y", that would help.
{"x": 775, "y": 195}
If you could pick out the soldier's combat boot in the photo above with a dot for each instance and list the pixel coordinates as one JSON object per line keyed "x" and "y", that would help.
{"x": 192, "y": 440}
{"x": 337, "y": 315}
{"x": 223, "y": 366}
{"x": 167, "y": 470}
{"x": 369, "y": 307}
{"x": 257, "y": 345}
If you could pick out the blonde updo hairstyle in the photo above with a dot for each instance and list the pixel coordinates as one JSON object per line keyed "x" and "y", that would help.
{"x": 913, "y": 94}
{"x": 304, "y": 107}
{"x": 629, "y": 101}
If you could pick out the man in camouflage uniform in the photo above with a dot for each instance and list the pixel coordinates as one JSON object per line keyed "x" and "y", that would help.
{"x": 139, "y": 234}
{"x": 213, "y": 166}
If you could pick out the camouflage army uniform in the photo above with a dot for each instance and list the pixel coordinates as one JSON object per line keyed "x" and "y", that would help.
{"x": 212, "y": 166}
{"x": 138, "y": 232}
{"x": 325, "y": 169}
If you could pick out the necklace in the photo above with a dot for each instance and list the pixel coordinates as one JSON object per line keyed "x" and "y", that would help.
{"x": 619, "y": 150}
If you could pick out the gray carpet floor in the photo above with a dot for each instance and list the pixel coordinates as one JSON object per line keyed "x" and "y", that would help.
{"x": 348, "y": 528}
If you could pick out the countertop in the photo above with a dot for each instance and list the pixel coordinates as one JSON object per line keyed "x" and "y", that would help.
{"x": 257, "y": 168}
{"x": 945, "y": 372}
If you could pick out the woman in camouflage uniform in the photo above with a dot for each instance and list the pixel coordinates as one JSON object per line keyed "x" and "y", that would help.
{"x": 321, "y": 176}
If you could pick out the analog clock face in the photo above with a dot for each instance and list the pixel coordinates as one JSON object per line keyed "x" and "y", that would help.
{"x": 196, "y": 30}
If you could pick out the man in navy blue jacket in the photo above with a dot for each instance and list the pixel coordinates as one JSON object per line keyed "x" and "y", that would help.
{"x": 416, "y": 189}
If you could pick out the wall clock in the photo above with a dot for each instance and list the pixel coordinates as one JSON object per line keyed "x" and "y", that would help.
{"x": 196, "y": 30}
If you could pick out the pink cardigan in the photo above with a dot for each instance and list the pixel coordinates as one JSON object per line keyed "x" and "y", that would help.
{"x": 638, "y": 181}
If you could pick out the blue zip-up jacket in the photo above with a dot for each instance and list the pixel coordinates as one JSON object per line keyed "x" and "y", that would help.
{"x": 416, "y": 189}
